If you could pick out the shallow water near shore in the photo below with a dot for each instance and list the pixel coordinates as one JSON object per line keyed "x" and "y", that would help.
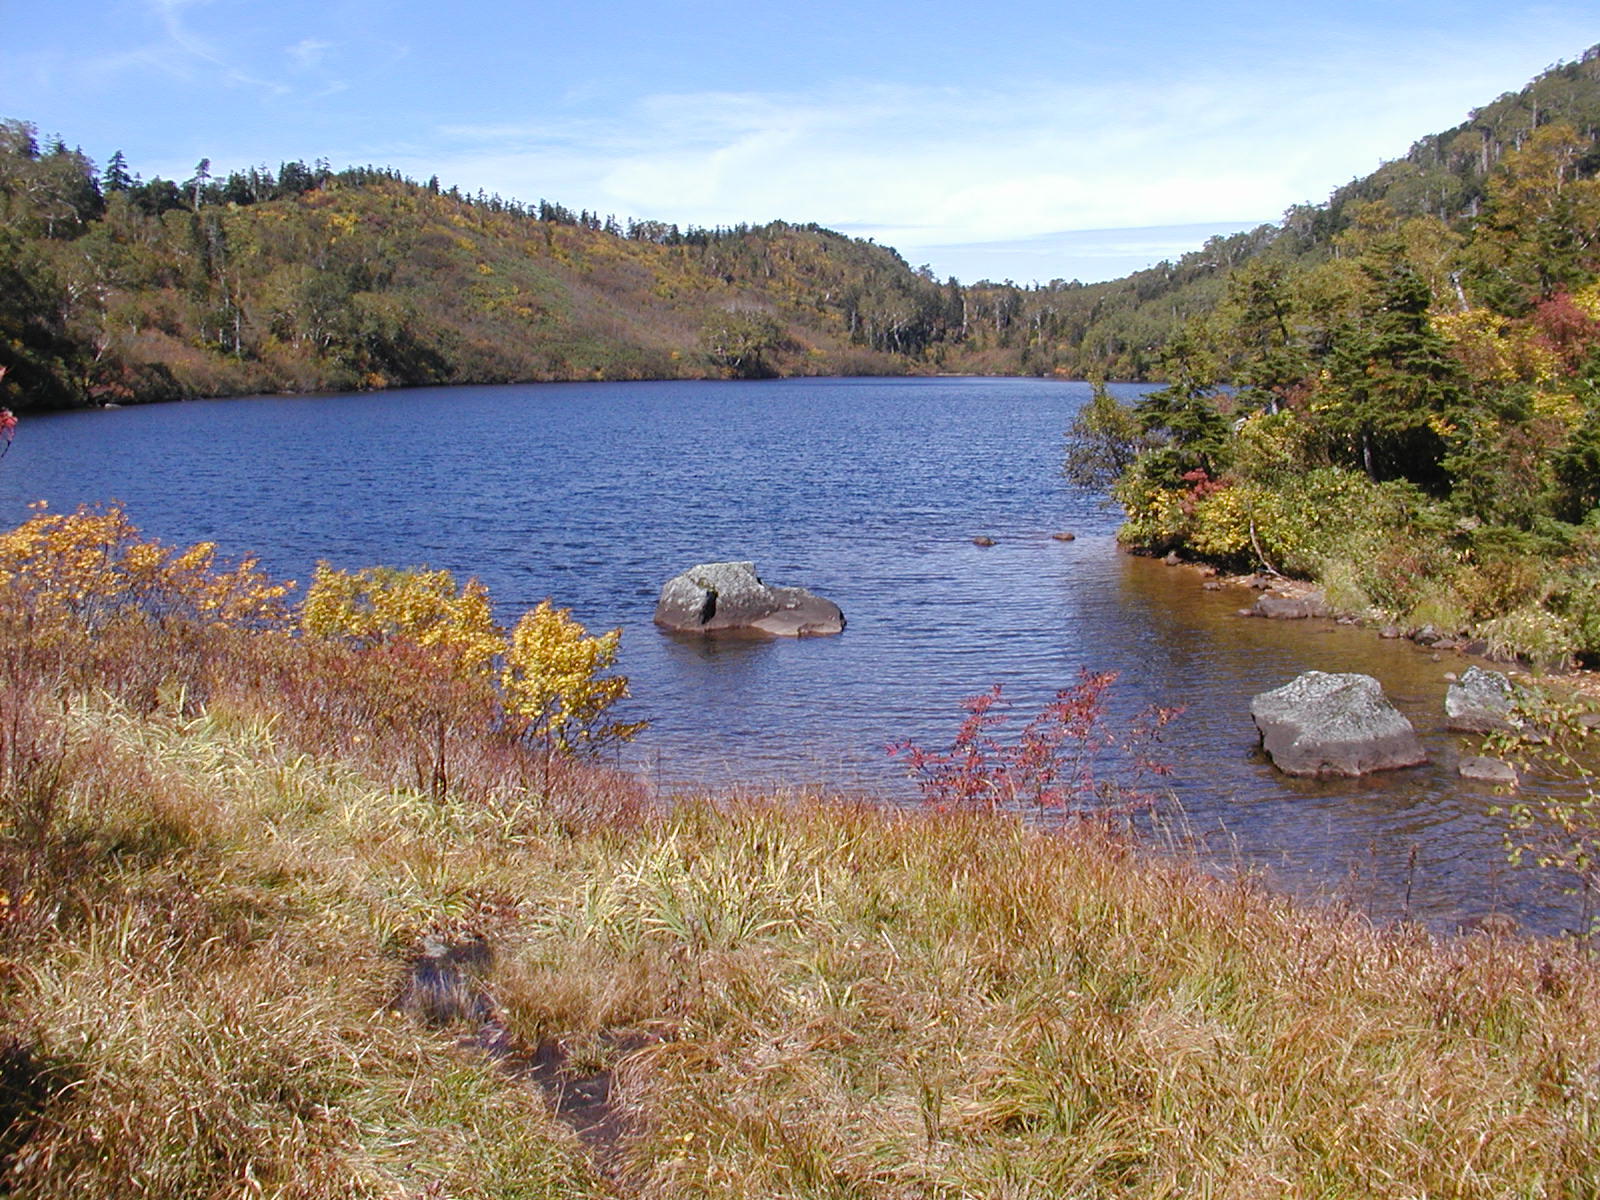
{"x": 867, "y": 491}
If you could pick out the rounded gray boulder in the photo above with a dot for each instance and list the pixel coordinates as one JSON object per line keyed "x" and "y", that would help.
{"x": 729, "y": 597}
{"x": 1479, "y": 702}
{"x": 1334, "y": 724}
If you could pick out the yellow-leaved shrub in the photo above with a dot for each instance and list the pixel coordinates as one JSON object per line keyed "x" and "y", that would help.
{"x": 548, "y": 675}
{"x": 1222, "y": 522}
{"x": 423, "y": 657}
{"x": 378, "y": 605}
{"x": 553, "y": 685}
{"x": 1157, "y": 517}
{"x": 1495, "y": 348}
{"x": 85, "y": 565}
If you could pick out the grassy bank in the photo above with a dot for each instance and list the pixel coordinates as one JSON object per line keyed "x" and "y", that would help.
{"x": 220, "y": 869}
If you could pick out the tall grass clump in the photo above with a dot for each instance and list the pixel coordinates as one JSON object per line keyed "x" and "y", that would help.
{"x": 843, "y": 1001}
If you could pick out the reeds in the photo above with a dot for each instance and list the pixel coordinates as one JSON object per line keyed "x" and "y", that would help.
{"x": 960, "y": 1006}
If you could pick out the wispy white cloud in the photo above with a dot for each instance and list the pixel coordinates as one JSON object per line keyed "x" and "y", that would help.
{"x": 928, "y": 167}
{"x": 177, "y": 50}
{"x": 960, "y": 167}
{"x": 198, "y": 49}
{"x": 1227, "y": 117}
{"x": 1082, "y": 254}
{"x": 308, "y": 53}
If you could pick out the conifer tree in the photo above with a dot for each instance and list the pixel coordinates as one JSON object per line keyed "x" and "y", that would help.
{"x": 1392, "y": 382}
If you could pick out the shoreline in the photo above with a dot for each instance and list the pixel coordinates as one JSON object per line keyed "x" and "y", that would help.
{"x": 910, "y": 372}
{"x": 1312, "y": 594}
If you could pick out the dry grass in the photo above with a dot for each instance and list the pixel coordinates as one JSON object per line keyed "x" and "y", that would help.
{"x": 851, "y": 1003}
{"x": 214, "y": 873}
{"x": 204, "y": 925}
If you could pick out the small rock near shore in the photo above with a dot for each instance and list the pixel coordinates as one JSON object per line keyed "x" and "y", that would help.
{"x": 1277, "y": 607}
{"x": 1479, "y": 702}
{"x": 1323, "y": 724}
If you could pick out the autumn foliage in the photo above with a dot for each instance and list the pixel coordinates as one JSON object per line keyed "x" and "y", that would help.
{"x": 381, "y": 605}
{"x": 1069, "y": 757}
{"x": 412, "y": 658}
{"x": 83, "y": 567}
{"x": 546, "y": 678}
{"x": 553, "y": 687}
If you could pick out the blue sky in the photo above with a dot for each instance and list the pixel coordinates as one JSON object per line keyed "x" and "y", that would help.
{"x": 1026, "y": 140}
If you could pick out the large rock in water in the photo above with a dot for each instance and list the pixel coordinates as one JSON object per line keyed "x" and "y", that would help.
{"x": 1479, "y": 702}
{"x": 730, "y": 597}
{"x": 1322, "y": 724}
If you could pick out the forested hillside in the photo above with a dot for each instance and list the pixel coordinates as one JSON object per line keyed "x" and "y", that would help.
{"x": 1398, "y": 392}
{"x": 1437, "y": 199}
{"x": 115, "y": 289}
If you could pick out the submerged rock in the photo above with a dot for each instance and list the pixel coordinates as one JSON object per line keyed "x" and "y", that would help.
{"x": 1326, "y": 724}
{"x": 1479, "y": 702}
{"x": 1488, "y": 770}
{"x": 730, "y": 597}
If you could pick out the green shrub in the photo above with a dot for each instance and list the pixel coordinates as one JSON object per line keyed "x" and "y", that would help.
{"x": 1274, "y": 446}
{"x": 1296, "y": 525}
{"x": 1314, "y": 516}
{"x": 1159, "y": 518}
{"x": 1531, "y": 632}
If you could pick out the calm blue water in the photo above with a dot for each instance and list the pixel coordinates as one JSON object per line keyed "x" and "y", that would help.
{"x": 867, "y": 491}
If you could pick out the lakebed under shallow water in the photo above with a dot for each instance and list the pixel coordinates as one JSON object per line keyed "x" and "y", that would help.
{"x": 868, "y": 491}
